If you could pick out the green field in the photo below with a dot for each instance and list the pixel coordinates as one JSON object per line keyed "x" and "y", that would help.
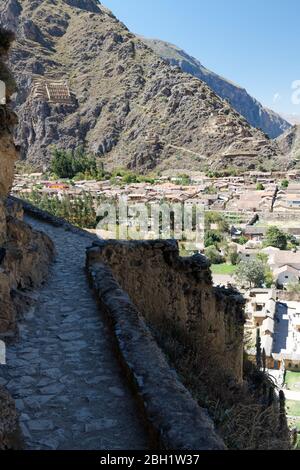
{"x": 224, "y": 268}
{"x": 280, "y": 224}
{"x": 292, "y": 380}
{"x": 293, "y": 408}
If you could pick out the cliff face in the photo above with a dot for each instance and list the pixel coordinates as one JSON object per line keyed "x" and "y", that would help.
{"x": 8, "y": 153}
{"x": 171, "y": 291}
{"x": 130, "y": 107}
{"x": 289, "y": 143}
{"x": 258, "y": 116}
{"x": 24, "y": 254}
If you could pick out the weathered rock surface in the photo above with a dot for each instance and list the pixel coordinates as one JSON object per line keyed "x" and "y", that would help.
{"x": 24, "y": 254}
{"x": 289, "y": 143}
{"x": 10, "y": 437}
{"x": 175, "y": 420}
{"x": 170, "y": 290}
{"x": 132, "y": 109}
{"x": 257, "y": 115}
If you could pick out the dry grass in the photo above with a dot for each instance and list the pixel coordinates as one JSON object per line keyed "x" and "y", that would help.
{"x": 254, "y": 426}
{"x": 241, "y": 413}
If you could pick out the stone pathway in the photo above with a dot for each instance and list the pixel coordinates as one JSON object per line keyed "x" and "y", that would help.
{"x": 62, "y": 371}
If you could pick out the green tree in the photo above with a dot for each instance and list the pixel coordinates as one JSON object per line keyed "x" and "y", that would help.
{"x": 264, "y": 359}
{"x": 282, "y": 411}
{"x": 285, "y": 184}
{"x": 275, "y": 237}
{"x": 250, "y": 273}
{"x": 68, "y": 164}
{"x": 258, "y": 355}
{"x": 269, "y": 279}
{"x": 293, "y": 287}
{"x": 234, "y": 258}
{"x": 260, "y": 187}
{"x": 212, "y": 237}
{"x": 263, "y": 257}
{"x": 214, "y": 255}
{"x": 218, "y": 219}
{"x": 242, "y": 240}
{"x": 292, "y": 241}
{"x": 61, "y": 164}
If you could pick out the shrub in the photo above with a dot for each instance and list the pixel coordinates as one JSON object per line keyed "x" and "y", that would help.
{"x": 251, "y": 273}
{"x": 293, "y": 287}
{"x": 79, "y": 211}
{"x": 285, "y": 184}
{"x": 275, "y": 237}
{"x": 234, "y": 258}
{"x": 68, "y": 164}
{"x": 214, "y": 255}
{"x": 242, "y": 240}
{"x": 212, "y": 237}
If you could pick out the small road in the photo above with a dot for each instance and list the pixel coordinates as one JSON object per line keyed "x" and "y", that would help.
{"x": 62, "y": 371}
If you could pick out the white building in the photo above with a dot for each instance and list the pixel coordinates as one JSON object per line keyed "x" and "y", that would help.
{"x": 286, "y": 275}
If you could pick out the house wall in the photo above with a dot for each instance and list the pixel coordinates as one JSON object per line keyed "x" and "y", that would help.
{"x": 286, "y": 278}
{"x": 258, "y": 321}
{"x": 247, "y": 256}
{"x": 292, "y": 365}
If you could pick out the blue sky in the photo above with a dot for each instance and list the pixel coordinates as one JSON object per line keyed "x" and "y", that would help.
{"x": 255, "y": 43}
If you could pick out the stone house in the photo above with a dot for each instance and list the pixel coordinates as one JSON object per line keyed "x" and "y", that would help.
{"x": 286, "y": 275}
{"x": 255, "y": 233}
{"x": 282, "y": 258}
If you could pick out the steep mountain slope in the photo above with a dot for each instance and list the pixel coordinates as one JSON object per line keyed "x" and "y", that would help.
{"x": 293, "y": 119}
{"x": 289, "y": 144}
{"x": 258, "y": 116}
{"x": 129, "y": 106}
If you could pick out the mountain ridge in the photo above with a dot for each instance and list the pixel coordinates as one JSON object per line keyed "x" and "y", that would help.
{"x": 289, "y": 144}
{"x": 250, "y": 108}
{"x": 132, "y": 108}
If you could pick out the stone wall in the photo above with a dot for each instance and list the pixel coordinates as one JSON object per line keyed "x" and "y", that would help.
{"x": 25, "y": 254}
{"x": 168, "y": 289}
{"x": 285, "y": 296}
{"x": 173, "y": 418}
{"x": 10, "y": 436}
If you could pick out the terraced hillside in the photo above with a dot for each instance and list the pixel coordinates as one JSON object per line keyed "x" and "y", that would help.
{"x": 130, "y": 107}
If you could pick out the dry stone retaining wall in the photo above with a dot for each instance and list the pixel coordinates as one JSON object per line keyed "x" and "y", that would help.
{"x": 174, "y": 419}
{"x": 140, "y": 283}
{"x": 168, "y": 289}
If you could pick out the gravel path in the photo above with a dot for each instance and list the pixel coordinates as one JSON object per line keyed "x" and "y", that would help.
{"x": 62, "y": 371}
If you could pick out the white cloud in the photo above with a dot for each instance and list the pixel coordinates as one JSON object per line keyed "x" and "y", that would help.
{"x": 276, "y": 97}
{"x": 296, "y": 94}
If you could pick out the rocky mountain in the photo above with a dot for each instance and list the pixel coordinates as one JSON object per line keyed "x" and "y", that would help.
{"x": 85, "y": 79}
{"x": 289, "y": 143}
{"x": 293, "y": 119}
{"x": 257, "y": 115}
